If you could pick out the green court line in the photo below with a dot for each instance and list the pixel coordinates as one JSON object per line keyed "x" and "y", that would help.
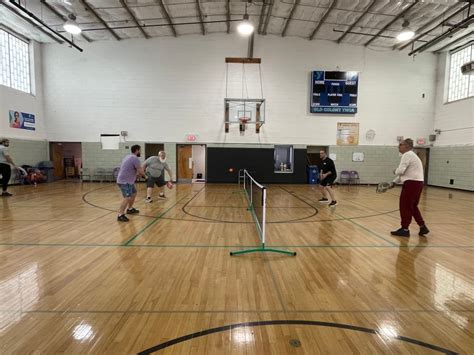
{"x": 341, "y": 216}
{"x": 366, "y": 229}
{"x": 226, "y": 246}
{"x": 62, "y": 311}
{"x": 157, "y": 218}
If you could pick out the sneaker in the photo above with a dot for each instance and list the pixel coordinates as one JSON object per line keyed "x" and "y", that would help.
{"x": 333, "y": 203}
{"x": 132, "y": 211}
{"x": 122, "y": 218}
{"x": 6, "y": 194}
{"x": 148, "y": 200}
{"x": 402, "y": 232}
{"x": 423, "y": 231}
{"x": 162, "y": 196}
{"x": 323, "y": 200}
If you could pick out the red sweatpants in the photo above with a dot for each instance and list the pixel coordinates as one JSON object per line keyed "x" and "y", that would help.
{"x": 409, "y": 198}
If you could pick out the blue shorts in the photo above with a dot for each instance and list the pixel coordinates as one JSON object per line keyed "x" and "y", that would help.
{"x": 128, "y": 190}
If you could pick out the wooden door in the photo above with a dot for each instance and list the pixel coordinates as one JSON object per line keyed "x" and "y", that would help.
{"x": 423, "y": 154}
{"x": 185, "y": 162}
{"x": 57, "y": 157}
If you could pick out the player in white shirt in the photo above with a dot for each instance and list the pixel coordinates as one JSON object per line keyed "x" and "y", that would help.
{"x": 5, "y": 168}
{"x": 410, "y": 174}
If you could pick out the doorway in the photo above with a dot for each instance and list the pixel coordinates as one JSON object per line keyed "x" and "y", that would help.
{"x": 191, "y": 164}
{"x": 152, "y": 149}
{"x": 312, "y": 154}
{"x": 424, "y": 155}
{"x": 66, "y": 158}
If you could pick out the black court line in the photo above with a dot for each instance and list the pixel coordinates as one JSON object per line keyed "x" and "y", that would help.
{"x": 210, "y": 220}
{"x": 347, "y": 219}
{"x": 158, "y": 217}
{"x": 292, "y": 322}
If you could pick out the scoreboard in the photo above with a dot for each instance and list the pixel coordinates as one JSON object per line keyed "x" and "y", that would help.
{"x": 334, "y": 91}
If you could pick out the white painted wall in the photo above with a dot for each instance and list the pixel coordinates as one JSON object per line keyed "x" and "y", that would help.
{"x": 456, "y": 116}
{"x": 16, "y": 100}
{"x": 161, "y": 89}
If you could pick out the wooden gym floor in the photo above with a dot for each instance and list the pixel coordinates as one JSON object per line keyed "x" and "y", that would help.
{"x": 72, "y": 279}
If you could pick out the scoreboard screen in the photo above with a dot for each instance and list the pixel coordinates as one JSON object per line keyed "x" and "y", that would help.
{"x": 334, "y": 91}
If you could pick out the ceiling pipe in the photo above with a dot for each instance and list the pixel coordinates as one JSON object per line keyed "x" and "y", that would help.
{"x": 326, "y": 14}
{"x": 459, "y": 39}
{"x": 416, "y": 38}
{"x": 356, "y": 21}
{"x": 33, "y": 16}
{"x": 283, "y": 33}
{"x": 64, "y": 18}
{"x": 157, "y": 25}
{"x": 459, "y": 26}
{"x": 401, "y": 14}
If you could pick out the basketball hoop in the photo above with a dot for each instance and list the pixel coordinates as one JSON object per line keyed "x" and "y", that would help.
{"x": 243, "y": 124}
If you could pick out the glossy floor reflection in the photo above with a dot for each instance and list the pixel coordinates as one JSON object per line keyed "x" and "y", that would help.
{"x": 73, "y": 280}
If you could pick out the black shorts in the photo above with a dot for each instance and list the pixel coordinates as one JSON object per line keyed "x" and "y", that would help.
{"x": 152, "y": 181}
{"x": 328, "y": 181}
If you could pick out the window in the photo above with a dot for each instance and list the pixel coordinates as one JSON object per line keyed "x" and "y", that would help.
{"x": 283, "y": 158}
{"x": 460, "y": 86}
{"x": 14, "y": 62}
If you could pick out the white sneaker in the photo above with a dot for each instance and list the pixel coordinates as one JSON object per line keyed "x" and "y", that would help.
{"x": 163, "y": 197}
{"x": 148, "y": 200}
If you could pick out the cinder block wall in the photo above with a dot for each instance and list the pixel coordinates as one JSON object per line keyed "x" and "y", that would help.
{"x": 93, "y": 156}
{"x": 378, "y": 165}
{"x": 452, "y": 162}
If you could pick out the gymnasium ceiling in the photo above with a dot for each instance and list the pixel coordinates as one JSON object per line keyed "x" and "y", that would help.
{"x": 372, "y": 23}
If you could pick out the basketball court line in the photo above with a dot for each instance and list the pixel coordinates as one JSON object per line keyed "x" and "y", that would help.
{"x": 152, "y": 311}
{"x": 275, "y": 283}
{"x": 344, "y": 218}
{"x": 230, "y": 327}
{"x": 91, "y": 245}
{"x": 157, "y": 218}
{"x": 225, "y": 246}
{"x": 204, "y": 220}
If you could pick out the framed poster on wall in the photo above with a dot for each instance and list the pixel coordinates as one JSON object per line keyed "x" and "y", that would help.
{"x": 22, "y": 120}
{"x": 347, "y": 133}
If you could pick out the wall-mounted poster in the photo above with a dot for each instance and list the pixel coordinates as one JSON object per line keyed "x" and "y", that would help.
{"x": 347, "y": 133}
{"x": 22, "y": 120}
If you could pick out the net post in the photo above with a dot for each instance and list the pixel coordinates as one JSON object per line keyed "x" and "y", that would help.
{"x": 264, "y": 214}
{"x": 261, "y": 225}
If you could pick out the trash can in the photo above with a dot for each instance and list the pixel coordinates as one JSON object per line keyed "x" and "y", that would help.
{"x": 48, "y": 169}
{"x": 313, "y": 174}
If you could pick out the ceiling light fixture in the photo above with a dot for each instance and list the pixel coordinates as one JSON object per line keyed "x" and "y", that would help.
{"x": 245, "y": 28}
{"x": 406, "y": 33}
{"x": 71, "y": 25}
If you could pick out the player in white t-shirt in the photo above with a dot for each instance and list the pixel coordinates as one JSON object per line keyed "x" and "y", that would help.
{"x": 5, "y": 168}
{"x": 410, "y": 173}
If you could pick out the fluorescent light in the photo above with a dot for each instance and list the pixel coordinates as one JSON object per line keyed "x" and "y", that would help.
{"x": 245, "y": 28}
{"x": 405, "y": 35}
{"x": 72, "y": 27}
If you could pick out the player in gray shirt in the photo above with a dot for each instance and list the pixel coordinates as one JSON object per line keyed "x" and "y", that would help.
{"x": 155, "y": 167}
{"x": 5, "y": 168}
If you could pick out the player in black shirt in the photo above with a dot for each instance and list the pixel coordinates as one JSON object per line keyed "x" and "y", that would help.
{"x": 328, "y": 175}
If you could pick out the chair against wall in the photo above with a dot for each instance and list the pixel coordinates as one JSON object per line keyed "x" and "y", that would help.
{"x": 354, "y": 177}
{"x": 100, "y": 174}
{"x": 345, "y": 177}
{"x": 115, "y": 173}
{"x": 85, "y": 172}
{"x": 109, "y": 175}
